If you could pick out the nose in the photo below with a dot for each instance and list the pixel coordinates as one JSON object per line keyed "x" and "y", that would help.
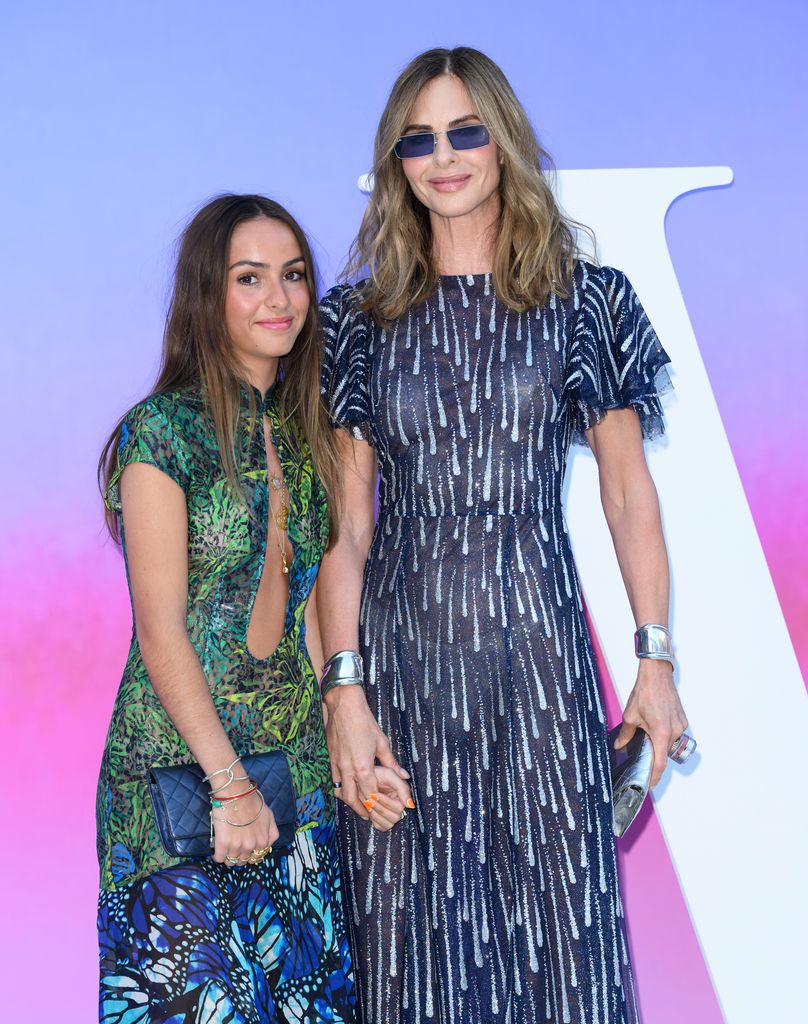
{"x": 275, "y": 295}
{"x": 443, "y": 155}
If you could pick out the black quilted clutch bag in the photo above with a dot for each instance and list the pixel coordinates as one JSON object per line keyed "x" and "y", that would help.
{"x": 181, "y": 801}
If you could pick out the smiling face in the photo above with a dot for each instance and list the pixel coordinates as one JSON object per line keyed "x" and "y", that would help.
{"x": 267, "y": 296}
{"x": 452, "y": 183}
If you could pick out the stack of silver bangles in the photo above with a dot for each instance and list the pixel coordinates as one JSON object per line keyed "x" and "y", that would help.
{"x": 654, "y": 642}
{"x": 342, "y": 669}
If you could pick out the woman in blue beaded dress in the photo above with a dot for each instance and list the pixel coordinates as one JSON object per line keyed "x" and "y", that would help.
{"x": 478, "y": 349}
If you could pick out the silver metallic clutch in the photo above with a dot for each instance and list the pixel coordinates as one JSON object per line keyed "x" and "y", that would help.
{"x": 631, "y": 768}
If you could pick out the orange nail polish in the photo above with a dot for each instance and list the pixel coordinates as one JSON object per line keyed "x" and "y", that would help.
{"x": 374, "y": 796}
{"x": 411, "y": 804}
{"x": 368, "y": 805}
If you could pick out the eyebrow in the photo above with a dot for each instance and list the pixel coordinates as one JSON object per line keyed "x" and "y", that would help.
{"x": 265, "y": 266}
{"x": 452, "y": 124}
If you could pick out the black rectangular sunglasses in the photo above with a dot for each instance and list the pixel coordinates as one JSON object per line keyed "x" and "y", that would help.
{"x": 469, "y": 136}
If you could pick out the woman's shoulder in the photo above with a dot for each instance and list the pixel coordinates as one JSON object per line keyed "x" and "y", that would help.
{"x": 340, "y": 302}
{"x": 590, "y": 276}
{"x": 347, "y": 340}
{"x": 174, "y": 413}
{"x": 337, "y": 294}
{"x": 171, "y": 405}
{"x": 162, "y": 430}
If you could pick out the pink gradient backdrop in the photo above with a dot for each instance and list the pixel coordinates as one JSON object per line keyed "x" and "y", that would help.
{"x": 122, "y": 121}
{"x": 70, "y": 626}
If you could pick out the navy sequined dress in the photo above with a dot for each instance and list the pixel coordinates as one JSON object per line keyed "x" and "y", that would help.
{"x": 497, "y": 899}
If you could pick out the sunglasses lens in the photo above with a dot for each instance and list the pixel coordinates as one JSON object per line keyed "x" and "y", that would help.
{"x": 421, "y": 144}
{"x": 470, "y": 136}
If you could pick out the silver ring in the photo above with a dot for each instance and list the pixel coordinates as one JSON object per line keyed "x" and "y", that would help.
{"x": 337, "y": 785}
{"x": 681, "y": 749}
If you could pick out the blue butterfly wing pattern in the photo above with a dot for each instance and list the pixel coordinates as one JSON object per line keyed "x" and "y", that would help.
{"x": 208, "y": 944}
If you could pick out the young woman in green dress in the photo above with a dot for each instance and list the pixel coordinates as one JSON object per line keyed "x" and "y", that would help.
{"x": 218, "y": 486}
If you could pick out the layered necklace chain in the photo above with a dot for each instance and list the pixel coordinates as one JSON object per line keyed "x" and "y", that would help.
{"x": 279, "y": 508}
{"x": 280, "y": 515}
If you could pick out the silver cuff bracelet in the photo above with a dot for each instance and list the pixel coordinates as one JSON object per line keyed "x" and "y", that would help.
{"x": 653, "y": 641}
{"x": 342, "y": 669}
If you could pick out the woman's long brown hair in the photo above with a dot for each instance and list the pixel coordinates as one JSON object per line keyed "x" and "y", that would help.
{"x": 536, "y": 245}
{"x": 197, "y": 351}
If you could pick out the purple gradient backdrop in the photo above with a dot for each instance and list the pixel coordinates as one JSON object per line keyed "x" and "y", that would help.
{"x": 122, "y": 120}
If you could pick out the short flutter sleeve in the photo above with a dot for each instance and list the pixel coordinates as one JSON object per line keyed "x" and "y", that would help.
{"x": 615, "y": 359}
{"x": 344, "y": 380}
{"x": 148, "y": 435}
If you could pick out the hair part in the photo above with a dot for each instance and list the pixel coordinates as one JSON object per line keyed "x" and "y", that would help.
{"x": 535, "y": 246}
{"x": 197, "y": 351}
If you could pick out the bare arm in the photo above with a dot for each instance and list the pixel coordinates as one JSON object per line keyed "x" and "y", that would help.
{"x": 156, "y": 528}
{"x": 355, "y": 741}
{"x": 631, "y": 507}
{"x": 314, "y": 643}
{"x": 339, "y": 582}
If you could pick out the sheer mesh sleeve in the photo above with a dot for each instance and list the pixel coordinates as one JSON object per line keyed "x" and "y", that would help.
{"x": 148, "y": 435}
{"x": 616, "y": 360}
{"x": 344, "y": 380}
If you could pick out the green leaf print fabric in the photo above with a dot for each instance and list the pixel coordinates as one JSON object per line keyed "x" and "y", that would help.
{"x": 264, "y": 704}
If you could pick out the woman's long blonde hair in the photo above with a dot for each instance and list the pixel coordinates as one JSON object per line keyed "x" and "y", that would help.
{"x": 197, "y": 352}
{"x": 535, "y": 248}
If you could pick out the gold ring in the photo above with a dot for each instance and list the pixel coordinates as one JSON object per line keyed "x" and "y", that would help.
{"x": 402, "y": 816}
{"x": 232, "y": 860}
{"x": 257, "y": 856}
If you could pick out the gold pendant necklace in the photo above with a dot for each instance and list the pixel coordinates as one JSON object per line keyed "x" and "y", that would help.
{"x": 282, "y": 512}
{"x": 280, "y": 517}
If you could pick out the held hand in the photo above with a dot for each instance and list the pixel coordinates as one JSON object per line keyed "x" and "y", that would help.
{"x": 235, "y": 845}
{"x": 390, "y": 804}
{"x": 355, "y": 744}
{"x": 654, "y": 706}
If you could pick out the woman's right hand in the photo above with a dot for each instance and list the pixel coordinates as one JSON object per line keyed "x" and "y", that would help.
{"x": 234, "y": 845}
{"x": 355, "y": 744}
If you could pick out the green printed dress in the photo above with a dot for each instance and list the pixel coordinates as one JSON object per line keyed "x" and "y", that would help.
{"x": 190, "y": 941}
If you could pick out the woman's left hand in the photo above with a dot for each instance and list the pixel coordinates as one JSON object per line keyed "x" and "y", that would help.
{"x": 391, "y": 803}
{"x": 654, "y": 706}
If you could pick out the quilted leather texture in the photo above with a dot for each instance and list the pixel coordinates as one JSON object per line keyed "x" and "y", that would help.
{"x": 181, "y": 801}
